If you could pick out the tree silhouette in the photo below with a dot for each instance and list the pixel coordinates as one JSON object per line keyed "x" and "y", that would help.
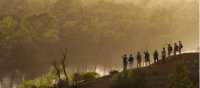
{"x": 63, "y": 64}
{"x": 57, "y": 70}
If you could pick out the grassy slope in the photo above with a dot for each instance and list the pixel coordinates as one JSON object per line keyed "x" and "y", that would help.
{"x": 157, "y": 74}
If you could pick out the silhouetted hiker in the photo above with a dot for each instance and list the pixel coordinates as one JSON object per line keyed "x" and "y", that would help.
{"x": 147, "y": 57}
{"x": 155, "y": 56}
{"x": 163, "y": 54}
{"x": 131, "y": 60}
{"x": 180, "y": 46}
{"x": 175, "y": 48}
{"x": 170, "y": 49}
{"x": 139, "y": 59}
{"x": 125, "y": 62}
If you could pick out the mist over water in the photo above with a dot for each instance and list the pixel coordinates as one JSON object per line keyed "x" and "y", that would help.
{"x": 95, "y": 32}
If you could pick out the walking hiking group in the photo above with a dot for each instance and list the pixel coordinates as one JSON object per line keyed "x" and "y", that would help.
{"x": 128, "y": 61}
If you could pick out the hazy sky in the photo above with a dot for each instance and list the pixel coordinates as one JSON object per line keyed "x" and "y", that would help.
{"x": 100, "y": 35}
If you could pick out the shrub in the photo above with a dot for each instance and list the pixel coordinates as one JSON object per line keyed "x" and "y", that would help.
{"x": 89, "y": 75}
{"x": 113, "y": 72}
{"x": 45, "y": 81}
{"x": 78, "y": 77}
{"x": 129, "y": 79}
{"x": 180, "y": 79}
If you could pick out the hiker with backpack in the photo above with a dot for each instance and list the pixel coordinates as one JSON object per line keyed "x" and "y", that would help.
{"x": 170, "y": 49}
{"x": 155, "y": 56}
{"x": 131, "y": 60}
{"x": 176, "y": 48}
{"x": 125, "y": 62}
{"x": 180, "y": 46}
{"x": 139, "y": 59}
{"x": 163, "y": 54}
{"x": 147, "y": 58}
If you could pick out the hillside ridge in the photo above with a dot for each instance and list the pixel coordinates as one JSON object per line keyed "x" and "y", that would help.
{"x": 156, "y": 74}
